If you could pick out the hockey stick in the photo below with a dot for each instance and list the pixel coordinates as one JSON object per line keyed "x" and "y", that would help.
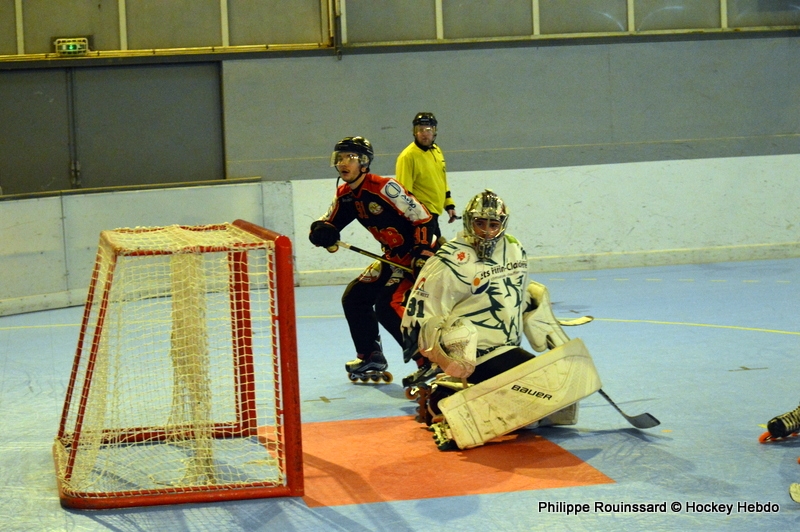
{"x": 374, "y": 256}
{"x": 642, "y": 421}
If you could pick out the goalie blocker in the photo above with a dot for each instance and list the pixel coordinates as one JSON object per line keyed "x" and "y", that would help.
{"x": 520, "y": 396}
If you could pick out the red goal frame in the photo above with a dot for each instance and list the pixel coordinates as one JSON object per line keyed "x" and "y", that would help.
{"x": 287, "y": 394}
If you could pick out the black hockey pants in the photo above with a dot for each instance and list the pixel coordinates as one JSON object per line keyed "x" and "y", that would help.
{"x": 376, "y": 296}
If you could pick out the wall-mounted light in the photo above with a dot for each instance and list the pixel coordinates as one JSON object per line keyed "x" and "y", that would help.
{"x": 71, "y": 46}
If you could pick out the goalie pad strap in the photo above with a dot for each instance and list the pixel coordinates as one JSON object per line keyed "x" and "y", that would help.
{"x": 524, "y": 394}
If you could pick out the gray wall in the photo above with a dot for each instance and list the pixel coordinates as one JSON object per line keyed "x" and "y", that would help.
{"x": 518, "y": 107}
{"x": 110, "y": 126}
{"x": 501, "y": 107}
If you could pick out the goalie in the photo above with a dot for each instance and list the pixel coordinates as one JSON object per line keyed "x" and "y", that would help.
{"x": 467, "y": 312}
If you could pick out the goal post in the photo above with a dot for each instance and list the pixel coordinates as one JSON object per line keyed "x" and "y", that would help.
{"x": 184, "y": 386}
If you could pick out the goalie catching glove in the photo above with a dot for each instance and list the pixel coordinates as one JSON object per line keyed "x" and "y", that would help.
{"x": 453, "y": 345}
{"x": 540, "y": 326}
{"x": 323, "y": 234}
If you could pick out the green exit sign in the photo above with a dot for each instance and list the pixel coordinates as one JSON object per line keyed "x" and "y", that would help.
{"x": 71, "y": 46}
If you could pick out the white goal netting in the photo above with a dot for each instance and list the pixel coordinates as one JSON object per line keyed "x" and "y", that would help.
{"x": 178, "y": 385}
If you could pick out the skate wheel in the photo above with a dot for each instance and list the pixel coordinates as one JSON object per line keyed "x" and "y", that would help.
{"x": 387, "y": 377}
{"x": 411, "y": 393}
{"x": 422, "y": 415}
{"x": 423, "y": 394}
{"x": 353, "y": 377}
{"x": 449, "y": 445}
{"x": 375, "y": 378}
{"x": 767, "y": 437}
{"x": 364, "y": 379}
{"x": 442, "y": 438}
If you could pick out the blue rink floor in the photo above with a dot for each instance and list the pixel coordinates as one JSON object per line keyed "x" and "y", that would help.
{"x": 713, "y": 351}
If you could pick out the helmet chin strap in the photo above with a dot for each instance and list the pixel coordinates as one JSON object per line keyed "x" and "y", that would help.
{"x": 358, "y": 179}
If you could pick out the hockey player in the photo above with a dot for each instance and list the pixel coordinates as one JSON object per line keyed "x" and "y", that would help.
{"x": 468, "y": 310}
{"x": 421, "y": 168}
{"x": 404, "y": 228}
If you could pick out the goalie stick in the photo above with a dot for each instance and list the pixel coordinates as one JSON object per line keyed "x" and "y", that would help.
{"x": 642, "y": 421}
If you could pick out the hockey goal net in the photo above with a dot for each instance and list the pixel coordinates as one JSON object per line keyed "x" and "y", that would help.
{"x": 184, "y": 386}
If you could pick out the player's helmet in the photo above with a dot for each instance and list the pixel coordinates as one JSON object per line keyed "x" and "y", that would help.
{"x": 358, "y": 145}
{"x": 425, "y": 119}
{"x": 489, "y": 206}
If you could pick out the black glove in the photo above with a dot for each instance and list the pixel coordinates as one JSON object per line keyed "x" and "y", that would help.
{"x": 323, "y": 234}
{"x": 419, "y": 255}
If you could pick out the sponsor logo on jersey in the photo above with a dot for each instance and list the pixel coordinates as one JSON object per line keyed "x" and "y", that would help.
{"x": 502, "y": 269}
{"x": 421, "y": 287}
{"x": 478, "y": 286}
{"x": 529, "y": 391}
{"x": 461, "y": 257}
{"x": 484, "y": 278}
{"x": 394, "y": 190}
{"x": 374, "y": 208}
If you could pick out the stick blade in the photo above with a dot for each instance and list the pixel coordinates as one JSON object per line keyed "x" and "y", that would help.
{"x": 643, "y": 421}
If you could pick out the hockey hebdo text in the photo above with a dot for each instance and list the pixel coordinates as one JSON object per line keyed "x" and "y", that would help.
{"x": 689, "y": 507}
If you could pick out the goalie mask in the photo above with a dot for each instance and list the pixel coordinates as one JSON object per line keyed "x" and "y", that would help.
{"x": 485, "y": 220}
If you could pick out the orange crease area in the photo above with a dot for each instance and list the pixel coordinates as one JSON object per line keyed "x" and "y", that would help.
{"x": 394, "y": 459}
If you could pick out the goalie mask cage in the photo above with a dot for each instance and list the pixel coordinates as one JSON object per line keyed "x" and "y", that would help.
{"x": 184, "y": 386}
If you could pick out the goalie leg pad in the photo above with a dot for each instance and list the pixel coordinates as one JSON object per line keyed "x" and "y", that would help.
{"x": 522, "y": 395}
{"x": 540, "y": 326}
{"x": 565, "y": 416}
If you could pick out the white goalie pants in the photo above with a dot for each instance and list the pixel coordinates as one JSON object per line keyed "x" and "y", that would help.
{"x": 521, "y": 395}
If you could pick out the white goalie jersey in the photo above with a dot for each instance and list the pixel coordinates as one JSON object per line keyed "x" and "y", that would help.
{"x": 454, "y": 283}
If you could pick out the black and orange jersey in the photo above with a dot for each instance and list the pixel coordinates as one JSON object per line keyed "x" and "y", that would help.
{"x": 387, "y": 210}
